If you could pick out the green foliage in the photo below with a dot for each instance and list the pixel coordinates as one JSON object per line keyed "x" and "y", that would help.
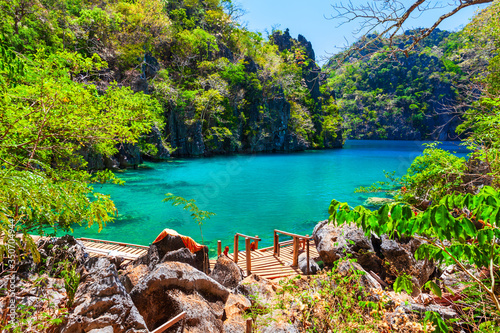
{"x": 432, "y": 175}
{"x": 47, "y": 118}
{"x": 438, "y": 322}
{"x": 482, "y": 119}
{"x": 333, "y": 302}
{"x": 197, "y": 42}
{"x": 379, "y": 98}
{"x": 71, "y": 280}
{"x": 28, "y": 319}
{"x": 190, "y": 205}
{"x": 403, "y": 282}
{"x": 42, "y": 315}
{"x": 434, "y": 288}
{"x": 460, "y": 229}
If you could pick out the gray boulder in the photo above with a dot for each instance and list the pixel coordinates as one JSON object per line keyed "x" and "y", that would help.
{"x": 132, "y": 275}
{"x": 54, "y": 251}
{"x": 234, "y": 326}
{"x": 227, "y": 272}
{"x": 102, "y": 303}
{"x": 260, "y": 290}
{"x": 313, "y": 266}
{"x": 334, "y": 242}
{"x": 280, "y": 328}
{"x": 455, "y": 279}
{"x": 400, "y": 256}
{"x": 174, "y": 287}
{"x": 366, "y": 280}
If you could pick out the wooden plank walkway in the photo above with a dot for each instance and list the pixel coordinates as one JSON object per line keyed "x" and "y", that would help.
{"x": 266, "y": 264}
{"x": 263, "y": 261}
{"x": 104, "y": 248}
{"x": 129, "y": 252}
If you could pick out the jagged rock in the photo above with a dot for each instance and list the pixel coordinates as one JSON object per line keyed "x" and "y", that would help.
{"x": 138, "y": 79}
{"x": 107, "y": 329}
{"x": 283, "y": 40}
{"x": 43, "y": 293}
{"x": 366, "y": 280}
{"x": 155, "y": 138}
{"x": 132, "y": 275}
{"x": 174, "y": 287}
{"x": 235, "y": 306}
{"x": 129, "y": 155}
{"x": 101, "y": 301}
{"x": 224, "y": 51}
{"x": 250, "y": 65}
{"x": 54, "y": 251}
{"x": 186, "y": 139}
{"x": 171, "y": 248}
{"x": 313, "y": 266}
{"x": 260, "y": 289}
{"x": 227, "y": 272}
{"x": 234, "y": 326}
{"x": 334, "y": 242}
{"x": 454, "y": 279}
{"x": 275, "y": 327}
{"x": 401, "y": 257}
{"x": 95, "y": 161}
{"x": 181, "y": 255}
{"x": 412, "y": 308}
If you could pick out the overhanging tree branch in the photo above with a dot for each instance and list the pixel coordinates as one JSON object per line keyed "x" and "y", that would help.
{"x": 389, "y": 17}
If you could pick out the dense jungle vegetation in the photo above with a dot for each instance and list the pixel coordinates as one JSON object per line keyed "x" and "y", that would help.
{"x": 410, "y": 96}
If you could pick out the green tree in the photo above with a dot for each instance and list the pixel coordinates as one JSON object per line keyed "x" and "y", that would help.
{"x": 482, "y": 115}
{"x": 47, "y": 118}
{"x": 190, "y": 205}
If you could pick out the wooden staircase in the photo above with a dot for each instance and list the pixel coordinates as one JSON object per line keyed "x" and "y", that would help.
{"x": 277, "y": 261}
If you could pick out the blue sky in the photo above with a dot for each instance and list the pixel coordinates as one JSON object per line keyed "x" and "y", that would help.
{"x": 308, "y": 19}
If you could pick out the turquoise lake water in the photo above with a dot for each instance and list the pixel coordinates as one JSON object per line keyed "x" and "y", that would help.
{"x": 251, "y": 194}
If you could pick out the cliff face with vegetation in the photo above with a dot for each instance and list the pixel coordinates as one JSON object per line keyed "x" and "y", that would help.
{"x": 222, "y": 89}
{"x": 409, "y": 98}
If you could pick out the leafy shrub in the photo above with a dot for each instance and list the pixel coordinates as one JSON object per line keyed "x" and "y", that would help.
{"x": 460, "y": 229}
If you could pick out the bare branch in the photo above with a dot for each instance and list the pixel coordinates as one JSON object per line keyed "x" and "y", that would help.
{"x": 390, "y": 18}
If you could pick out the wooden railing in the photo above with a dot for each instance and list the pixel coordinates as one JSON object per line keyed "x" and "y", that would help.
{"x": 296, "y": 245}
{"x": 172, "y": 322}
{"x": 248, "y": 249}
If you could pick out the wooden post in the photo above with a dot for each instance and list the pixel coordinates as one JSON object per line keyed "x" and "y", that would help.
{"x": 235, "y": 248}
{"x": 256, "y": 243}
{"x": 275, "y": 244}
{"x": 249, "y": 326}
{"x": 278, "y": 243}
{"x": 219, "y": 248}
{"x": 249, "y": 256}
{"x": 307, "y": 254}
{"x": 183, "y": 323}
{"x": 207, "y": 263}
{"x": 296, "y": 244}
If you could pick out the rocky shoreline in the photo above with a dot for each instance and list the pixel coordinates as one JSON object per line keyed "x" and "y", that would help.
{"x": 169, "y": 279}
